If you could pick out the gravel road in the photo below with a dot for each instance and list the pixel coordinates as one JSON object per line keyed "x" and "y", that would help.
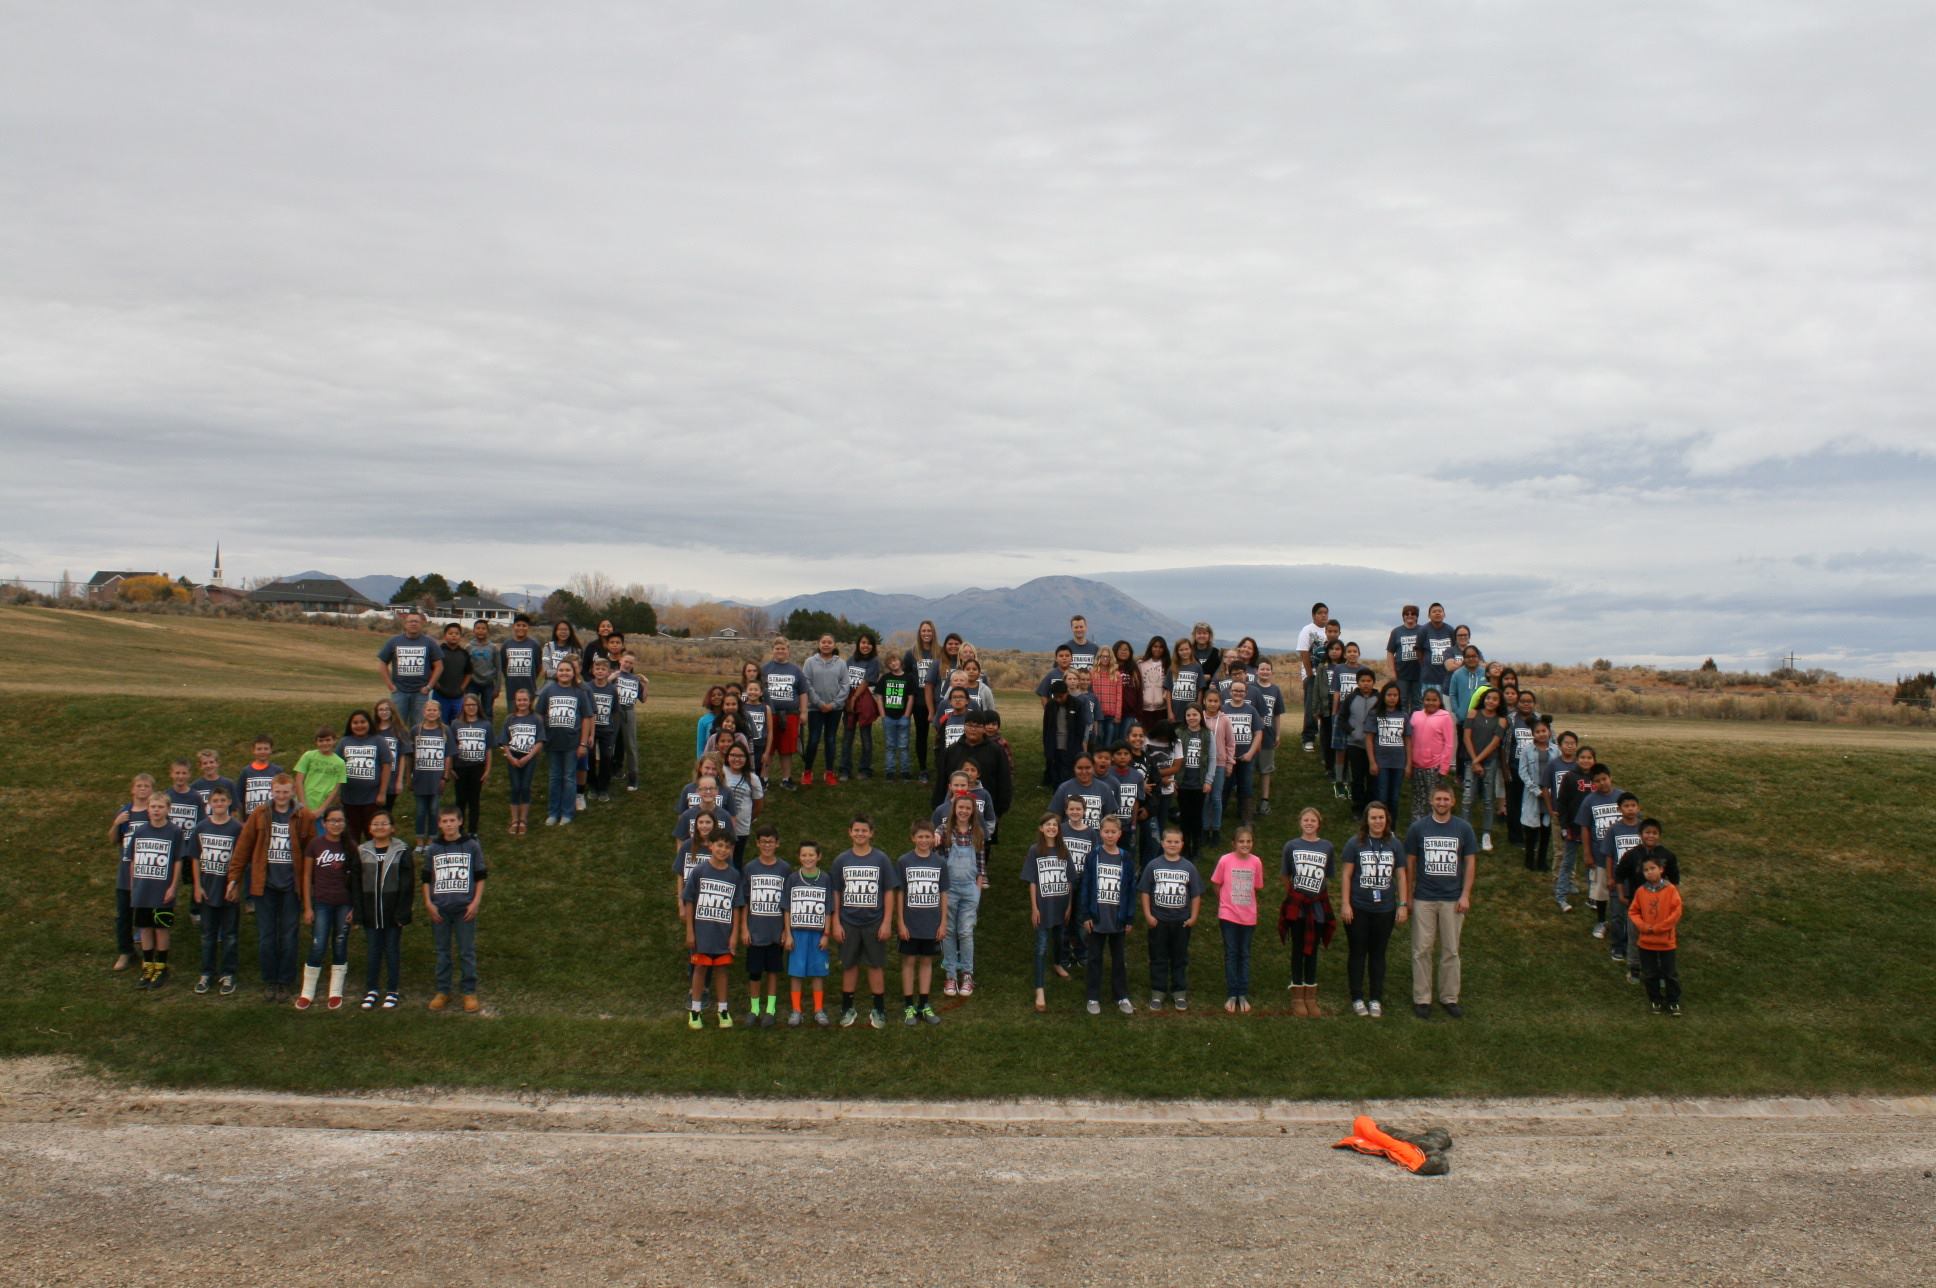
{"x": 109, "y": 1185}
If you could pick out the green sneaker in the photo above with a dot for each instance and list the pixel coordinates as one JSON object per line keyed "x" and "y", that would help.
{"x": 693, "y": 1021}
{"x": 907, "y": 1016}
{"x": 725, "y": 1019}
{"x": 927, "y": 1013}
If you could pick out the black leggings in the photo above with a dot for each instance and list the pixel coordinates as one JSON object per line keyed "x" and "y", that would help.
{"x": 470, "y": 793}
{"x": 1190, "y": 812}
{"x": 1304, "y": 966}
{"x": 921, "y": 736}
{"x": 1539, "y": 848}
{"x": 1368, "y": 933}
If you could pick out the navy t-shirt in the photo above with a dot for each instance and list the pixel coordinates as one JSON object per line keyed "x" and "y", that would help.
{"x": 1081, "y": 656}
{"x": 363, "y": 762}
{"x": 1374, "y": 862}
{"x": 1436, "y": 645}
{"x": 473, "y": 741}
{"x": 1108, "y": 891}
{"x": 522, "y": 733}
{"x": 922, "y": 882}
{"x": 1096, "y": 801}
{"x": 521, "y": 663}
{"x": 604, "y": 703}
{"x": 1170, "y": 885}
{"x": 1186, "y": 686}
{"x": 1053, "y": 881}
{"x": 429, "y": 756}
{"x": 1444, "y": 850}
{"x": 1388, "y": 738}
{"x": 1080, "y": 842}
{"x": 410, "y": 661}
{"x": 784, "y": 684}
{"x": 153, "y": 853}
{"x": 451, "y": 871}
{"x": 806, "y": 901}
{"x": 1308, "y": 864}
{"x": 766, "y": 885}
{"x": 714, "y": 893}
{"x": 214, "y": 848}
{"x": 562, "y": 709}
{"x": 1404, "y": 643}
{"x": 864, "y": 882}
{"x": 254, "y": 784}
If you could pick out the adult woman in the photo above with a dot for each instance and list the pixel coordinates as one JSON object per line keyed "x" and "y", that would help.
{"x": 1203, "y": 641}
{"x": 861, "y": 709}
{"x": 1153, "y": 681}
{"x": 964, "y": 843}
{"x": 1374, "y": 889}
{"x": 561, "y": 647}
{"x": 1433, "y": 738}
{"x": 921, "y": 662}
{"x": 1186, "y": 679}
{"x": 1247, "y": 652}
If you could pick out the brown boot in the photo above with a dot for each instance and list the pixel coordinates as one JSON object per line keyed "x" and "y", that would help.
{"x": 1297, "y": 1001}
{"x": 1311, "y": 1007}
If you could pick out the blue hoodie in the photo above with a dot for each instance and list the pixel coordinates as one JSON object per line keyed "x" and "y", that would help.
{"x": 1112, "y": 910}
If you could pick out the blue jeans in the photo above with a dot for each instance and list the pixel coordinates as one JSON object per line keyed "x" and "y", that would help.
{"x": 895, "y": 729}
{"x": 449, "y": 708}
{"x": 1411, "y": 693}
{"x": 332, "y": 934}
{"x": 1483, "y": 782}
{"x": 866, "y": 733}
{"x": 822, "y": 727}
{"x": 1236, "y": 958}
{"x": 427, "y": 813}
{"x": 409, "y": 708}
{"x": 964, "y": 907}
{"x": 218, "y": 938}
{"x": 1213, "y": 801}
{"x": 561, "y": 763}
{"x": 454, "y": 929}
{"x": 1563, "y": 877}
{"x": 277, "y": 915}
{"x": 385, "y": 946}
{"x": 1048, "y": 948}
{"x": 1390, "y": 783}
{"x": 521, "y": 776}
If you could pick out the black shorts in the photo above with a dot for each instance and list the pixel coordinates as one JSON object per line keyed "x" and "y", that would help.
{"x": 765, "y": 959}
{"x": 154, "y": 918}
{"x": 920, "y": 948}
{"x": 863, "y": 947}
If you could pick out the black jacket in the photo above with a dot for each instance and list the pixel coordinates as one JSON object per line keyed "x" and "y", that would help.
{"x": 382, "y": 887}
{"x": 989, "y": 758}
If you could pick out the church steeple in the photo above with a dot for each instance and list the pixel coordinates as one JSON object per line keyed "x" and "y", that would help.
{"x": 215, "y": 577}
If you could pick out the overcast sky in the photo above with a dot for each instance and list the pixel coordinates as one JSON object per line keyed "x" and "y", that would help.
{"x": 767, "y": 298}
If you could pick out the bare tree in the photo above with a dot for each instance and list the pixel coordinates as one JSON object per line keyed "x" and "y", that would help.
{"x": 595, "y": 588}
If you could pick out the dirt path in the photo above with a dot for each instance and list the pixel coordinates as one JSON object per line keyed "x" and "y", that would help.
{"x": 105, "y": 1185}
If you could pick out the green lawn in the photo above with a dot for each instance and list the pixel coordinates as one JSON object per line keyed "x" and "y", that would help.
{"x": 1805, "y": 953}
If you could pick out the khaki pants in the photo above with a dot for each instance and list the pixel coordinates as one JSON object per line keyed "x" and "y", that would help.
{"x": 1435, "y": 925}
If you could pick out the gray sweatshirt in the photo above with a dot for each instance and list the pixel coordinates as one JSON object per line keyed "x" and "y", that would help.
{"x": 826, "y": 680}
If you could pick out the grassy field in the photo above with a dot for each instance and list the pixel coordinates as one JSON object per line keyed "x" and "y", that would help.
{"x": 1805, "y": 951}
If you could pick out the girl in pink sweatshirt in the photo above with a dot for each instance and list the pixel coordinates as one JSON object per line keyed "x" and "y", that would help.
{"x": 1434, "y": 738}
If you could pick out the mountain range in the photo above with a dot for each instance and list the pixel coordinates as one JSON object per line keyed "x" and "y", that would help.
{"x": 1033, "y": 615}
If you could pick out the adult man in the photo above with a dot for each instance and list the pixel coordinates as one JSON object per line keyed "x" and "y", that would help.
{"x": 1441, "y": 857}
{"x": 1404, "y": 658}
{"x": 988, "y": 758}
{"x": 410, "y": 663}
{"x": 1082, "y": 653}
{"x": 1094, "y": 796}
{"x": 1437, "y": 641}
{"x": 1310, "y": 654}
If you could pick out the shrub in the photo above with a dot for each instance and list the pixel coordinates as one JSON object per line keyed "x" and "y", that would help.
{"x": 1709, "y": 665}
{"x": 1915, "y": 690}
{"x": 1602, "y": 664}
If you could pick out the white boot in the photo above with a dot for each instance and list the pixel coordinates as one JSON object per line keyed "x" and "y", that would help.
{"x": 308, "y": 995}
{"x": 336, "y": 976}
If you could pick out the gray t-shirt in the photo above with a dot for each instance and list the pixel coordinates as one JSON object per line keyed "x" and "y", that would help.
{"x": 363, "y": 762}
{"x": 1170, "y": 885}
{"x": 1186, "y": 686}
{"x": 429, "y": 753}
{"x": 520, "y": 661}
{"x": 1374, "y": 863}
{"x": 1096, "y": 799}
{"x": 1053, "y": 881}
{"x": 766, "y": 885}
{"x": 1080, "y": 842}
{"x": 1444, "y": 852}
{"x": 923, "y": 881}
{"x": 784, "y": 684}
{"x": 806, "y": 901}
{"x": 1388, "y": 730}
{"x": 1403, "y": 643}
{"x": 864, "y": 882}
{"x": 714, "y": 894}
{"x": 153, "y": 853}
{"x": 473, "y": 741}
{"x": 410, "y": 661}
{"x": 214, "y": 849}
{"x": 1308, "y": 864}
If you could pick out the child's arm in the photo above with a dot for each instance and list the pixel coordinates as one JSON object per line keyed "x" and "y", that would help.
{"x": 477, "y": 901}
{"x": 889, "y": 916}
{"x": 1035, "y": 908}
{"x": 685, "y": 919}
{"x": 1147, "y": 914}
{"x": 942, "y": 933}
{"x": 1196, "y": 906}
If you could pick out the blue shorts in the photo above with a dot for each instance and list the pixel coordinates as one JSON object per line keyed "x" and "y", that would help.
{"x": 808, "y": 960}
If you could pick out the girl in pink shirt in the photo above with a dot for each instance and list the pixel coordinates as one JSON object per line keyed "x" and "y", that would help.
{"x": 1433, "y": 740}
{"x": 1238, "y": 877}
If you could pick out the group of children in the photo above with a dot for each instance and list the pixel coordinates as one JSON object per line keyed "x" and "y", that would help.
{"x": 299, "y": 850}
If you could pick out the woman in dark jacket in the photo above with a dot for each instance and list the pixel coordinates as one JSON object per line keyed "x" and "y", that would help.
{"x": 381, "y": 887}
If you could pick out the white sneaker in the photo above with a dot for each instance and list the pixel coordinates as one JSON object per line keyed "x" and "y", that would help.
{"x": 551, "y": 820}
{"x": 1095, "y": 1008}
{"x": 1599, "y": 930}
{"x": 1126, "y": 1006}
{"x": 1359, "y": 1008}
{"x": 581, "y": 800}
{"x": 1377, "y": 1011}
{"x": 1485, "y": 842}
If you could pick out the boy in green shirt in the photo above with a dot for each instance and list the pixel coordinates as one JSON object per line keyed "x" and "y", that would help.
{"x": 320, "y": 773}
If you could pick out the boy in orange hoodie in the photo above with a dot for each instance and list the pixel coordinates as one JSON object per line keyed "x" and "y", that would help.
{"x": 1655, "y": 914}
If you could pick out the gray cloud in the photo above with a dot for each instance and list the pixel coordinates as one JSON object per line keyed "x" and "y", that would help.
{"x": 739, "y": 299}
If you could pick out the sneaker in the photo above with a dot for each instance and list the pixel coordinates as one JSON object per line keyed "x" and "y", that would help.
{"x": 162, "y": 977}
{"x": 924, "y": 780}
{"x": 752, "y": 1019}
{"x": 1599, "y": 930}
{"x": 1633, "y": 977}
{"x": 1453, "y": 1009}
{"x": 725, "y": 1019}
{"x": 1095, "y": 1008}
{"x": 788, "y": 784}
{"x": 1358, "y": 1007}
{"x": 830, "y": 779}
{"x": 226, "y": 985}
{"x": 928, "y": 1015}
{"x": 1422, "y": 1010}
{"x": 1619, "y": 955}
{"x": 580, "y": 802}
{"x": 693, "y": 1021}
{"x": 390, "y": 1001}
{"x": 967, "y": 984}
{"x": 1485, "y": 843}
{"x": 603, "y": 796}
{"x": 876, "y": 1019}
{"x": 793, "y": 1019}
{"x": 1126, "y": 1006}
{"x": 769, "y": 1021}
{"x": 820, "y": 1018}
{"x": 146, "y": 979}
{"x": 631, "y": 787}
{"x": 268, "y": 992}
{"x": 1181, "y": 1001}
{"x": 1377, "y": 1011}
{"x": 369, "y": 1000}
{"x": 908, "y": 1017}
{"x": 201, "y": 985}
{"x": 1310, "y": 746}
{"x": 1658, "y": 1008}
{"x": 304, "y": 1003}
{"x": 806, "y": 779}
{"x": 551, "y": 820}
{"x": 564, "y": 822}
{"x": 847, "y": 1018}
{"x": 1156, "y": 1001}
{"x": 1263, "y": 807}
{"x": 1337, "y": 790}
{"x": 950, "y": 988}
{"x": 1674, "y": 1008}
{"x": 1564, "y": 905}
